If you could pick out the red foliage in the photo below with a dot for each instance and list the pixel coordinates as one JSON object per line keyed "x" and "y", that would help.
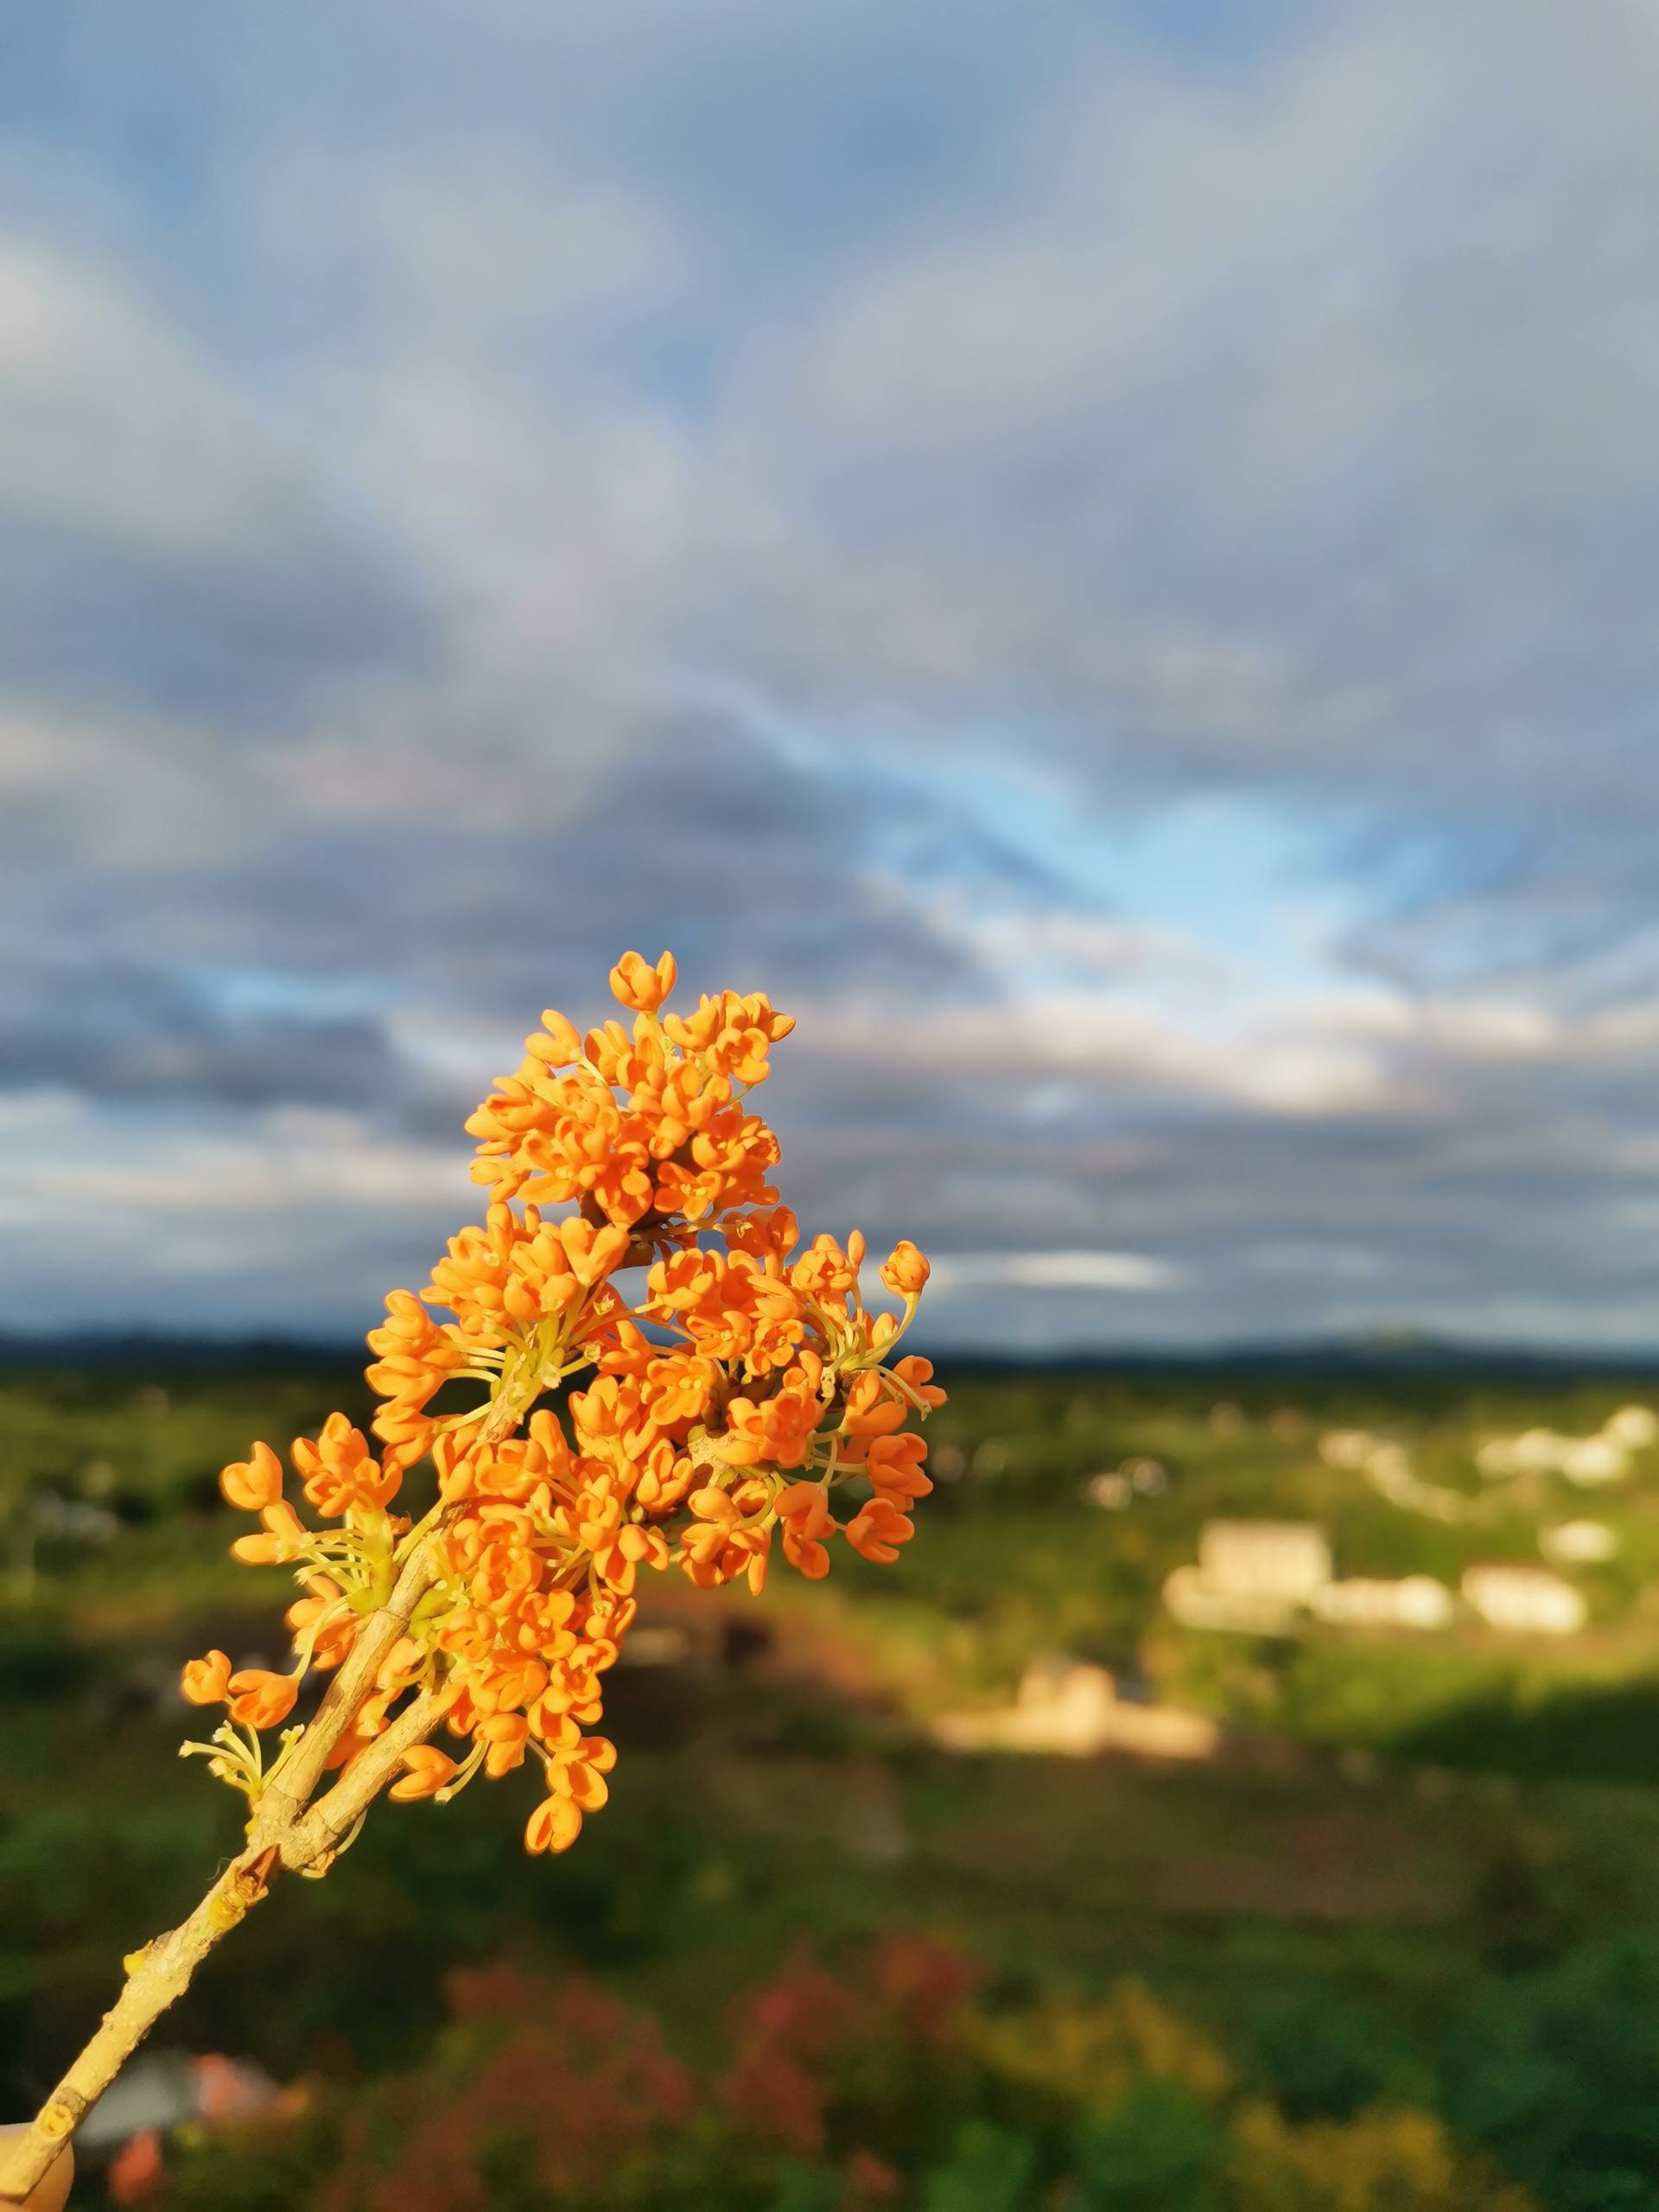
{"x": 925, "y": 1980}
{"x": 136, "y": 2171}
{"x": 574, "y": 2075}
{"x": 785, "y": 2030}
{"x": 581, "y": 2081}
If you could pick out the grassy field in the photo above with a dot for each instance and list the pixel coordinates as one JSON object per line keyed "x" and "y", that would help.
{"x": 1421, "y": 1889}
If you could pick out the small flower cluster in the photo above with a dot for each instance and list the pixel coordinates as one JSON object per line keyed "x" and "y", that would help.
{"x": 735, "y": 1398}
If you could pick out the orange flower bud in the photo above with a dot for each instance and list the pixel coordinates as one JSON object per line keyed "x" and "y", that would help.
{"x": 918, "y": 1374}
{"x": 429, "y": 1770}
{"x": 284, "y": 1537}
{"x": 339, "y": 1472}
{"x": 804, "y": 1553}
{"x": 262, "y": 1699}
{"x": 878, "y": 1529}
{"x": 895, "y": 1467}
{"x": 259, "y": 1551}
{"x": 644, "y": 988}
{"x": 252, "y": 1484}
{"x": 579, "y": 1772}
{"x": 205, "y": 1681}
{"x": 558, "y": 1044}
{"x": 804, "y": 1506}
{"x": 904, "y": 1271}
{"x": 554, "y": 1825}
{"x": 869, "y": 1412}
{"x": 591, "y": 1252}
{"x": 506, "y": 1734}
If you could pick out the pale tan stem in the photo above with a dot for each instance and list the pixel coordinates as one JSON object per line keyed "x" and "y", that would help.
{"x": 157, "y": 1976}
{"x": 286, "y": 1828}
{"x": 313, "y": 1840}
{"x": 289, "y": 1789}
{"x": 283, "y": 1831}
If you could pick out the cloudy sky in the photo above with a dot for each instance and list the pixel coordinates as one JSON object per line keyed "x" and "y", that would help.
{"x": 1103, "y": 555}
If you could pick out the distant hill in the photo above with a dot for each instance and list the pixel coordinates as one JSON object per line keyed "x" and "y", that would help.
{"x": 1383, "y": 1353}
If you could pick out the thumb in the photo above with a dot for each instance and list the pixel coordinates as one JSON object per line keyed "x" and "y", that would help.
{"x": 47, "y": 2196}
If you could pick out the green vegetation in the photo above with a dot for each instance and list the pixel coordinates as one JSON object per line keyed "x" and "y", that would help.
{"x": 1410, "y": 1923}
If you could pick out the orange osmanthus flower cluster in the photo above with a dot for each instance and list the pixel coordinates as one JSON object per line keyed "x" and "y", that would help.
{"x": 738, "y": 1398}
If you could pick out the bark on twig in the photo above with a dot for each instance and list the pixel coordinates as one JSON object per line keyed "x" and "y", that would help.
{"x": 292, "y": 1782}
{"x": 286, "y": 1830}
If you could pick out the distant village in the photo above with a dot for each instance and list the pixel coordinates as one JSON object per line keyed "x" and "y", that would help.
{"x": 1267, "y": 1577}
{"x": 1260, "y": 1577}
{"x": 1256, "y": 1576}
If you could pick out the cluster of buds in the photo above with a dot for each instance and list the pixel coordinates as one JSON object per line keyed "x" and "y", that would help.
{"x": 739, "y": 1398}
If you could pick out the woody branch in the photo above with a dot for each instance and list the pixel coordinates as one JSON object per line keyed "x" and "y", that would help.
{"x": 287, "y": 1830}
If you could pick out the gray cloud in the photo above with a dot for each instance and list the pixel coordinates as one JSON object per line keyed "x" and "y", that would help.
{"x": 528, "y": 489}
{"x": 125, "y": 1033}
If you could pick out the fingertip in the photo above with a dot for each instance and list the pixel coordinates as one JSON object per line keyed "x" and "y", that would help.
{"x": 50, "y": 2195}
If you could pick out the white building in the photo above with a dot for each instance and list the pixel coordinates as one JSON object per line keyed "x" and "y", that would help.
{"x": 1347, "y": 1447}
{"x": 1415, "y": 1601}
{"x": 1066, "y": 1708}
{"x": 1264, "y": 1559}
{"x": 1595, "y": 1460}
{"x": 1603, "y": 1457}
{"x": 1527, "y": 1600}
{"x": 1634, "y": 1427}
{"x": 1580, "y": 1543}
{"x": 1253, "y": 1576}
{"x": 1496, "y": 1457}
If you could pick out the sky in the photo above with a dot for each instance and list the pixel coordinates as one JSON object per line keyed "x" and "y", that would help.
{"x": 1101, "y": 555}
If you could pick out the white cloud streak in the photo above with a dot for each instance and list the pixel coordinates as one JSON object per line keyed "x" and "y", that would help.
{"x": 1125, "y": 1271}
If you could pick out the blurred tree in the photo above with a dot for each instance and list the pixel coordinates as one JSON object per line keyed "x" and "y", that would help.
{"x": 1400, "y": 2161}
{"x": 1153, "y": 2151}
{"x": 1558, "y": 2070}
{"x": 989, "y": 2169}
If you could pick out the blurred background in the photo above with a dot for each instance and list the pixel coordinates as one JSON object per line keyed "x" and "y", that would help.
{"x": 1101, "y": 556}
